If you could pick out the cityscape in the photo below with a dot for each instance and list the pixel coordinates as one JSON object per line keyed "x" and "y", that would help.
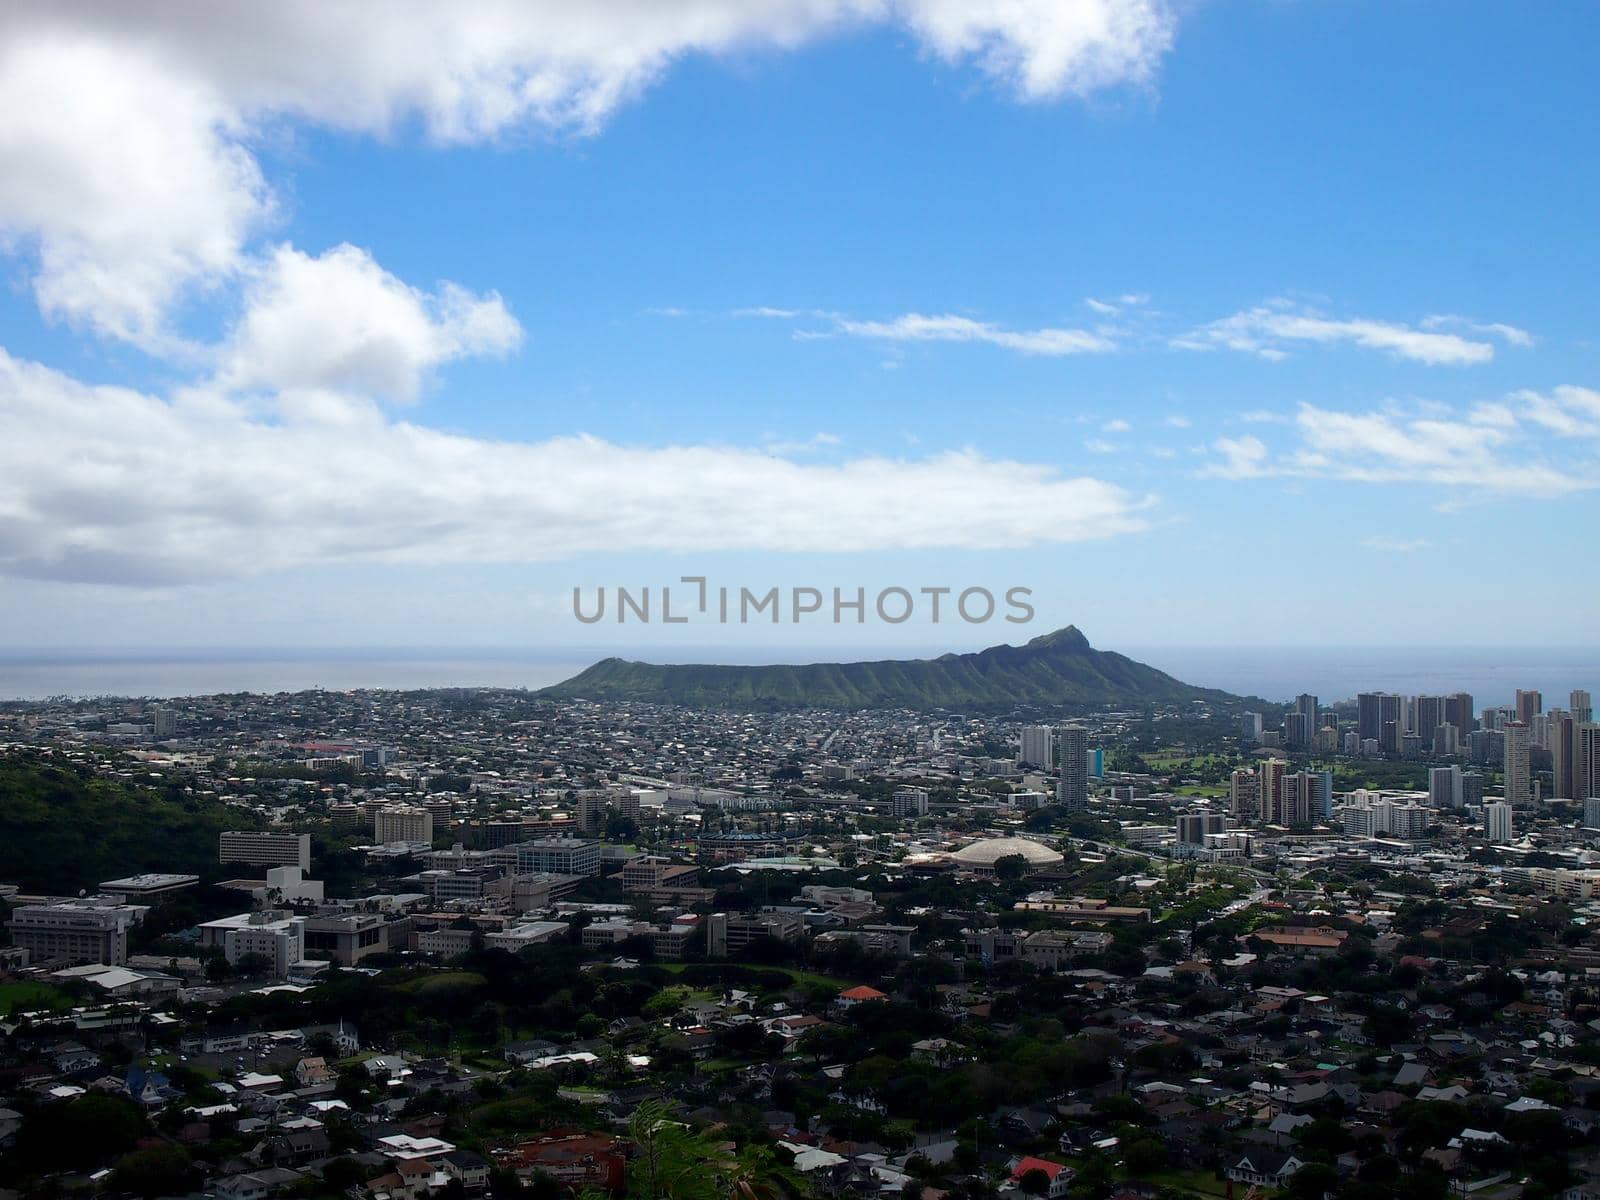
{"x": 799, "y": 600}
{"x": 476, "y": 940}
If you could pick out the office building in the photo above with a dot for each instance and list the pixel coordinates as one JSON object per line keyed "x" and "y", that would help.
{"x": 1304, "y": 798}
{"x": 910, "y": 802}
{"x": 1271, "y": 788}
{"x": 1038, "y": 747}
{"x": 1563, "y": 756}
{"x": 1244, "y": 795}
{"x": 1518, "y": 781}
{"x": 1586, "y": 761}
{"x": 402, "y": 824}
{"x": 1591, "y": 813}
{"x": 1444, "y": 787}
{"x": 74, "y": 934}
{"x": 1529, "y": 705}
{"x": 1581, "y": 707}
{"x": 275, "y": 936}
{"x": 1458, "y": 711}
{"x": 560, "y": 856}
{"x": 1377, "y": 712}
{"x": 1497, "y": 823}
{"x": 1193, "y": 827}
{"x": 266, "y": 849}
{"x": 1073, "y": 791}
{"x": 728, "y": 933}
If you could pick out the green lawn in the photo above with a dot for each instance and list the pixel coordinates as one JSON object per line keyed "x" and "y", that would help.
{"x": 793, "y": 973}
{"x": 26, "y": 996}
{"x": 1195, "y": 1183}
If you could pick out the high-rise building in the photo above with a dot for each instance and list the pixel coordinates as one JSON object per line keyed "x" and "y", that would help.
{"x": 1369, "y": 715}
{"x": 1302, "y": 798}
{"x": 1586, "y": 761}
{"x": 1458, "y": 711}
{"x": 402, "y": 824}
{"x": 1073, "y": 745}
{"x": 265, "y": 849}
{"x": 1580, "y": 706}
{"x": 1250, "y": 728}
{"x": 1564, "y": 756}
{"x": 1306, "y": 705}
{"x": 1297, "y": 731}
{"x": 910, "y": 802}
{"x": 1271, "y": 788}
{"x": 1427, "y": 714}
{"x": 1518, "y": 783}
{"x": 1591, "y": 813}
{"x": 1497, "y": 823}
{"x": 72, "y": 934}
{"x": 1193, "y": 827}
{"x": 1244, "y": 795}
{"x": 1529, "y": 704}
{"x": 1444, "y": 787}
{"x": 1038, "y": 748}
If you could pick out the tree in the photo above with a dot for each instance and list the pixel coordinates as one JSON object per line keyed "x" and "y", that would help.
{"x": 1010, "y": 868}
{"x": 158, "y": 1171}
{"x": 1034, "y": 1181}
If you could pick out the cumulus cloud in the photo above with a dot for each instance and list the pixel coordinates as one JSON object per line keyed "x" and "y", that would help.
{"x": 1488, "y": 450}
{"x": 916, "y": 327}
{"x": 125, "y": 128}
{"x": 340, "y": 321}
{"x": 1268, "y": 331}
{"x": 109, "y": 485}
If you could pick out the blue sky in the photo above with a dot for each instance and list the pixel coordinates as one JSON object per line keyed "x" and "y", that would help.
{"x": 1265, "y": 322}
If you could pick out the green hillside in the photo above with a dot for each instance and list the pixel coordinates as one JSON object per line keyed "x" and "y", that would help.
{"x": 63, "y": 829}
{"x": 1058, "y": 669}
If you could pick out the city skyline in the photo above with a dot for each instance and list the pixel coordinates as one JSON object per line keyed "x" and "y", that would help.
{"x": 400, "y": 350}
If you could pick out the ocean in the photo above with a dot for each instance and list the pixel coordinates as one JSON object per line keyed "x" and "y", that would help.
{"x": 1276, "y": 673}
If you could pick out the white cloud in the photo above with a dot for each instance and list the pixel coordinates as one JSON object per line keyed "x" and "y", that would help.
{"x": 341, "y": 322}
{"x": 817, "y": 441}
{"x": 1395, "y": 545}
{"x": 125, "y": 128}
{"x": 1509, "y": 334}
{"x": 1569, "y": 411}
{"x": 916, "y": 327}
{"x": 109, "y": 485}
{"x": 1489, "y": 450}
{"x": 1116, "y": 425}
{"x": 1268, "y": 330}
{"x": 1242, "y": 458}
{"x": 1178, "y": 421}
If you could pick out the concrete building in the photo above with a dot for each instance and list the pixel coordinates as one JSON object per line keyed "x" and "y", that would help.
{"x": 278, "y": 937}
{"x": 1497, "y": 823}
{"x": 402, "y": 824}
{"x": 727, "y": 933}
{"x": 1518, "y": 780}
{"x": 1444, "y": 787}
{"x": 147, "y": 889}
{"x": 910, "y": 802}
{"x": 1193, "y": 827}
{"x": 560, "y": 856}
{"x": 1072, "y": 793}
{"x": 69, "y": 934}
{"x": 1038, "y": 747}
{"x": 266, "y": 849}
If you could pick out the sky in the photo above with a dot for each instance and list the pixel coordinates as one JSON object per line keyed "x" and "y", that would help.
{"x": 1263, "y": 322}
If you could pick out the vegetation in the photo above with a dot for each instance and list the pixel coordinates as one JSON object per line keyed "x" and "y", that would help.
{"x": 63, "y": 828}
{"x": 1055, "y": 669}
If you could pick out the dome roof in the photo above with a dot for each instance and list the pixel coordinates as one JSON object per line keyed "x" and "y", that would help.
{"x": 988, "y": 851}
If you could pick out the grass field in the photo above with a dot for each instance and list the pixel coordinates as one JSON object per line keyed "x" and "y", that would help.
{"x": 808, "y": 977}
{"x": 21, "y": 997}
